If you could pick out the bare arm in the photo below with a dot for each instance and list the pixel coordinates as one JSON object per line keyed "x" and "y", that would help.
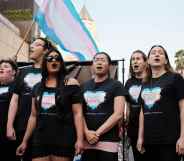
{"x": 180, "y": 142}
{"x": 140, "y": 132}
{"x": 127, "y": 107}
{"x": 29, "y": 130}
{"x": 85, "y": 126}
{"x": 79, "y": 126}
{"x": 119, "y": 103}
{"x": 13, "y": 108}
{"x": 78, "y": 120}
{"x": 77, "y": 113}
{"x": 31, "y": 122}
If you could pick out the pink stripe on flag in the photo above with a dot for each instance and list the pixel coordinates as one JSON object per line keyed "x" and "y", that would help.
{"x": 79, "y": 31}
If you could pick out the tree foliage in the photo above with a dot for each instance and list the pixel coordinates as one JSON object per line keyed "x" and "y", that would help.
{"x": 179, "y": 59}
{"x": 18, "y": 14}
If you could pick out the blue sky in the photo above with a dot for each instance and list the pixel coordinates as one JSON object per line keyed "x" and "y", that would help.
{"x": 124, "y": 26}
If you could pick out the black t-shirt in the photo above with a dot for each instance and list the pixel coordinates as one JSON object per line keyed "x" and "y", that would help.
{"x": 99, "y": 105}
{"x": 24, "y": 83}
{"x": 133, "y": 87}
{"x": 5, "y": 96}
{"x": 55, "y": 124}
{"x": 160, "y": 99}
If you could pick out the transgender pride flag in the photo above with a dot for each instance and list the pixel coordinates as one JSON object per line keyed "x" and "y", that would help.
{"x": 59, "y": 20}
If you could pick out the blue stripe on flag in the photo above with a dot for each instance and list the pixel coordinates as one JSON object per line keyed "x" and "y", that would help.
{"x": 74, "y": 13}
{"x": 40, "y": 18}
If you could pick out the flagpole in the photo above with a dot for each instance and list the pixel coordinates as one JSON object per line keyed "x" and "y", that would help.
{"x": 24, "y": 39}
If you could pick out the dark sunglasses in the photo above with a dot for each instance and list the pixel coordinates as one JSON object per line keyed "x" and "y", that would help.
{"x": 52, "y": 58}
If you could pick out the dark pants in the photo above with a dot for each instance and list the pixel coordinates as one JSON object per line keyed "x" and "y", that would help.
{"x": 161, "y": 153}
{"x": 8, "y": 150}
{"x": 98, "y": 155}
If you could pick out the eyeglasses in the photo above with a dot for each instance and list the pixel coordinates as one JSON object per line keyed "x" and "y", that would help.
{"x": 52, "y": 58}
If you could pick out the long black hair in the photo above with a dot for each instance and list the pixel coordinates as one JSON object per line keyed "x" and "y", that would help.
{"x": 61, "y": 73}
{"x": 60, "y": 77}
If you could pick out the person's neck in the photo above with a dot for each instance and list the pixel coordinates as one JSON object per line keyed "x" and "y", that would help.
{"x": 140, "y": 75}
{"x": 158, "y": 71}
{"x": 7, "y": 81}
{"x": 51, "y": 81}
{"x": 100, "y": 78}
{"x": 37, "y": 64}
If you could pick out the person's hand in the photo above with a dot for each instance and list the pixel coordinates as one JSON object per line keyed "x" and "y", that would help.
{"x": 79, "y": 147}
{"x": 92, "y": 137}
{"x": 140, "y": 146}
{"x": 10, "y": 133}
{"x": 180, "y": 146}
{"x": 21, "y": 149}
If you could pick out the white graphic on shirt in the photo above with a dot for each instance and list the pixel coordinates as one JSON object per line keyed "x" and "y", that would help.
{"x": 32, "y": 78}
{"x": 48, "y": 100}
{"x": 3, "y": 90}
{"x": 150, "y": 96}
{"x": 134, "y": 92}
{"x": 94, "y": 99}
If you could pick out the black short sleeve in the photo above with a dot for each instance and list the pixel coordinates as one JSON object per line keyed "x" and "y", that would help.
{"x": 127, "y": 96}
{"x": 36, "y": 89}
{"x": 75, "y": 93}
{"x": 179, "y": 86}
{"x": 17, "y": 83}
{"x": 12, "y": 87}
{"x": 119, "y": 90}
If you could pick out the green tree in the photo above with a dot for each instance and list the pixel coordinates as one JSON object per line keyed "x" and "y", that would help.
{"x": 179, "y": 59}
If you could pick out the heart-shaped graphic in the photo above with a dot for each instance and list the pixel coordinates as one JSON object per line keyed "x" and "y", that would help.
{"x": 94, "y": 99}
{"x": 134, "y": 92}
{"x": 150, "y": 96}
{"x": 48, "y": 100}
{"x": 4, "y": 90}
{"x": 32, "y": 78}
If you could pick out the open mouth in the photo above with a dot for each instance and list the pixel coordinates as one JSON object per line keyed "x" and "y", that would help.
{"x": 1, "y": 72}
{"x": 99, "y": 67}
{"x": 54, "y": 66}
{"x": 157, "y": 60}
{"x": 136, "y": 66}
